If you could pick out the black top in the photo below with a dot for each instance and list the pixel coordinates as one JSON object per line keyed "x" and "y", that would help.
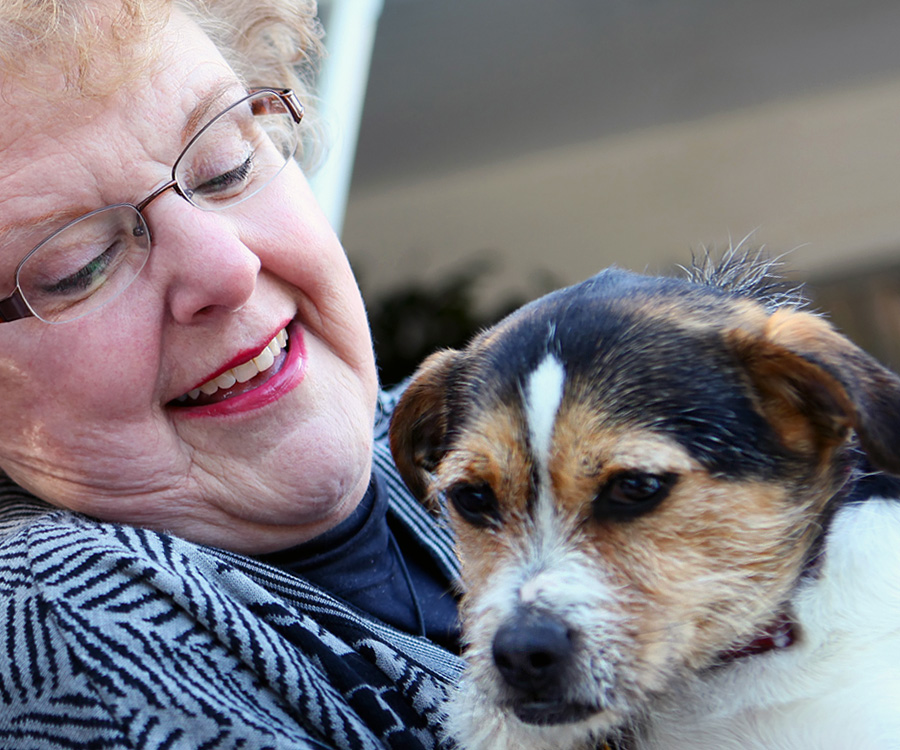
{"x": 369, "y": 561}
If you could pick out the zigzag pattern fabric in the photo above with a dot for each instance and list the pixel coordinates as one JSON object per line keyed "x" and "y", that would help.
{"x": 116, "y": 637}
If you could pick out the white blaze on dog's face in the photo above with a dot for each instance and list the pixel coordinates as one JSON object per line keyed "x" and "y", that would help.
{"x": 638, "y": 473}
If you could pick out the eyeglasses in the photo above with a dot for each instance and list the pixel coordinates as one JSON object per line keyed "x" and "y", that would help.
{"x": 93, "y": 259}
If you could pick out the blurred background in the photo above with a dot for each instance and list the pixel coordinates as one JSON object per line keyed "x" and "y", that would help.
{"x": 487, "y": 150}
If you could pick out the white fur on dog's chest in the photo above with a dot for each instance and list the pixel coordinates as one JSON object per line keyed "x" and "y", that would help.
{"x": 838, "y": 687}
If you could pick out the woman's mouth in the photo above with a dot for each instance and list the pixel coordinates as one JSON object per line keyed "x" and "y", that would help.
{"x": 239, "y": 379}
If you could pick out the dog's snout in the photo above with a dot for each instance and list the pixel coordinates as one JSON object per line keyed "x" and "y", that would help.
{"x": 532, "y": 652}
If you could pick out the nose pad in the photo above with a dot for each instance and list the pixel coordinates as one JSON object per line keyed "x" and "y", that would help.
{"x": 532, "y": 652}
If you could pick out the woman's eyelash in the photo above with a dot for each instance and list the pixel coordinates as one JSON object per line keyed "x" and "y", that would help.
{"x": 237, "y": 175}
{"x": 85, "y": 276}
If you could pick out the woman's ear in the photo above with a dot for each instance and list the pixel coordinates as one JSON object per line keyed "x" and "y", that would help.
{"x": 419, "y": 424}
{"x": 815, "y": 386}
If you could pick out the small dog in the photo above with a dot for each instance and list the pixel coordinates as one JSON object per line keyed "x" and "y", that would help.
{"x": 671, "y": 524}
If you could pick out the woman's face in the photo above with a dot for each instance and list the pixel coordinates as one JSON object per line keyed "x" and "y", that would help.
{"x": 91, "y": 417}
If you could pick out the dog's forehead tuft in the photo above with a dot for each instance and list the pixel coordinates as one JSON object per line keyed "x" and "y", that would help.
{"x": 744, "y": 272}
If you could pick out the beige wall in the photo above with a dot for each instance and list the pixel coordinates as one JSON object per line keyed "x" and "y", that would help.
{"x": 820, "y": 174}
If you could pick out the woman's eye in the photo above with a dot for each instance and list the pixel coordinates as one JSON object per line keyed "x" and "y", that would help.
{"x": 476, "y": 503}
{"x": 86, "y": 278}
{"x": 632, "y": 493}
{"x": 232, "y": 181}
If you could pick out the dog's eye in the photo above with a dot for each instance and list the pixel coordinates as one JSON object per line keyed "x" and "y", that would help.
{"x": 476, "y": 503}
{"x": 632, "y": 493}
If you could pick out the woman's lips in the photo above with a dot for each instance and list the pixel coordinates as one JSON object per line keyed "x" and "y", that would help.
{"x": 241, "y": 378}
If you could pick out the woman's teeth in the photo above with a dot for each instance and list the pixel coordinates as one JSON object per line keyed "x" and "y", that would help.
{"x": 244, "y": 372}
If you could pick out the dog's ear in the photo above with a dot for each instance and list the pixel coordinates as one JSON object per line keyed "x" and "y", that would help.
{"x": 814, "y": 386}
{"x": 419, "y": 424}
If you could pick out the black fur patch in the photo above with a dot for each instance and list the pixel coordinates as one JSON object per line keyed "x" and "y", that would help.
{"x": 645, "y": 371}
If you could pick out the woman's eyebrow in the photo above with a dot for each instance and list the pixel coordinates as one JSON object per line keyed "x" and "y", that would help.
{"x": 209, "y": 106}
{"x": 46, "y": 222}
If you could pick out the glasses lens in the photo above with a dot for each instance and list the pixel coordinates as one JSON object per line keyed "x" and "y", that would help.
{"x": 85, "y": 264}
{"x": 237, "y": 153}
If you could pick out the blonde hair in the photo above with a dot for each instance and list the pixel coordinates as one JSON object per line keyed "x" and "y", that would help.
{"x": 95, "y": 44}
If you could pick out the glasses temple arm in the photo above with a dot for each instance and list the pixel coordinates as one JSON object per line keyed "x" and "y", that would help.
{"x": 14, "y": 308}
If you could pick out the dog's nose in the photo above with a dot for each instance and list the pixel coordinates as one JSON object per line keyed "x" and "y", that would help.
{"x": 532, "y": 651}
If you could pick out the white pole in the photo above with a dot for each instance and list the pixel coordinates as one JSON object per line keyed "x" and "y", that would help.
{"x": 349, "y": 37}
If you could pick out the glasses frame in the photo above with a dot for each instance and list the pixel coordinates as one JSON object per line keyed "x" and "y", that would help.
{"x": 15, "y": 306}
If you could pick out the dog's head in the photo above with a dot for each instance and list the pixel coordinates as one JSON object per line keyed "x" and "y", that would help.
{"x": 638, "y": 471}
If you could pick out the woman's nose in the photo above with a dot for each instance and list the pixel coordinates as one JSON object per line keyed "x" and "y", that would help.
{"x": 206, "y": 266}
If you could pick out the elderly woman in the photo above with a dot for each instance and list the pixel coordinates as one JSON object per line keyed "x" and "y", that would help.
{"x": 202, "y": 545}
